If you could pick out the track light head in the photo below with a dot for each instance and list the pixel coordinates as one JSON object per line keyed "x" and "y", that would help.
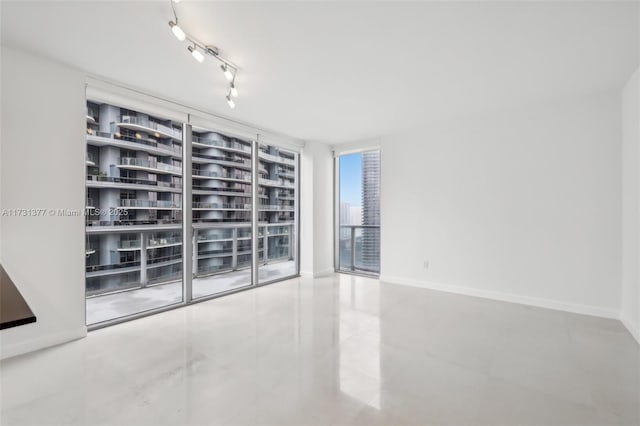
{"x": 231, "y": 103}
{"x": 227, "y": 71}
{"x": 177, "y": 31}
{"x": 234, "y": 90}
{"x": 176, "y": 1}
{"x": 197, "y": 55}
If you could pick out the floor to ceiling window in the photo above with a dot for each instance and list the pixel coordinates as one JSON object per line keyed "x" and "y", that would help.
{"x": 277, "y": 218}
{"x": 133, "y": 216}
{"x": 358, "y": 204}
{"x": 240, "y": 229}
{"x": 222, "y": 233}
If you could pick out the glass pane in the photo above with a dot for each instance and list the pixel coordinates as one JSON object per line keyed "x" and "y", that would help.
{"x": 134, "y": 212}
{"x": 221, "y": 213}
{"x": 277, "y": 216}
{"x": 359, "y": 234}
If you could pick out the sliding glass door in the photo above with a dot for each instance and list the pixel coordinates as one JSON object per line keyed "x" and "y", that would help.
{"x": 133, "y": 212}
{"x": 222, "y": 231}
{"x": 227, "y": 215}
{"x": 278, "y": 216}
{"x": 358, "y": 205}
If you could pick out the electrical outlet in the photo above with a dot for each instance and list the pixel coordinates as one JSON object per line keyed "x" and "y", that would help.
{"x": 426, "y": 264}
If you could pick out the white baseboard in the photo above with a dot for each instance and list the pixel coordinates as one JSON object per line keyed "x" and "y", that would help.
{"x": 506, "y": 297}
{"x": 319, "y": 274}
{"x": 631, "y": 328}
{"x": 323, "y": 273}
{"x": 23, "y": 347}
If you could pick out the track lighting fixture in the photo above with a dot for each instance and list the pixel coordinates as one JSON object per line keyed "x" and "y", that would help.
{"x": 196, "y": 53}
{"x": 177, "y": 31}
{"x": 200, "y": 50}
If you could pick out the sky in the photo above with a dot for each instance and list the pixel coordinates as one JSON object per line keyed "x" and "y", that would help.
{"x": 351, "y": 179}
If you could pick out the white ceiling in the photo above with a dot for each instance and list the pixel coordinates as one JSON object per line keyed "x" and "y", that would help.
{"x": 342, "y": 71}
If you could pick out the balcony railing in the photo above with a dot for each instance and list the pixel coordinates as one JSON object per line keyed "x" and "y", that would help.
{"x": 152, "y": 243}
{"x": 138, "y": 162}
{"x": 109, "y": 267}
{"x": 236, "y": 192}
{"x": 176, "y": 150}
{"x": 276, "y": 158}
{"x": 155, "y": 242}
{"x": 276, "y": 207}
{"x": 234, "y": 206}
{"x": 221, "y": 144}
{"x": 225, "y": 175}
{"x": 286, "y": 197}
{"x": 133, "y": 222}
{"x": 276, "y": 229}
{"x": 287, "y": 175}
{"x": 151, "y": 125}
{"x": 133, "y": 181}
{"x": 271, "y": 182}
{"x": 129, "y": 244}
{"x": 360, "y": 248}
{"x": 234, "y": 160}
{"x": 218, "y": 235}
{"x": 149, "y": 204}
{"x": 230, "y": 244}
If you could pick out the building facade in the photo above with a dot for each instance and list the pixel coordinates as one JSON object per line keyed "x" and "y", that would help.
{"x": 134, "y": 201}
{"x": 371, "y": 210}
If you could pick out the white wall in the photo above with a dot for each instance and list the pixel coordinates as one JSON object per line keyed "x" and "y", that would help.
{"x": 631, "y": 205}
{"x": 42, "y": 167}
{"x": 317, "y": 210}
{"x": 522, "y": 205}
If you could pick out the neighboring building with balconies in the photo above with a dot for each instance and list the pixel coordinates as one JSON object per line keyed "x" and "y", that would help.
{"x": 134, "y": 201}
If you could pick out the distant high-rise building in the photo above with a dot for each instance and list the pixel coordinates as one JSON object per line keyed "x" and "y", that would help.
{"x": 371, "y": 210}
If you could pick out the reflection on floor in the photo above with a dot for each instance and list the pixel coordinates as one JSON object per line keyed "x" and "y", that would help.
{"x": 116, "y": 305}
{"x": 338, "y": 350}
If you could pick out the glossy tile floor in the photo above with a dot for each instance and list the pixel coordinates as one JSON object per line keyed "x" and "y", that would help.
{"x": 337, "y": 350}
